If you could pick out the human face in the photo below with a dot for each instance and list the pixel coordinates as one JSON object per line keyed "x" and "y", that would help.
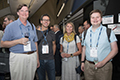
{"x": 96, "y": 19}
{"x": 6, "y": 21}
{"x": 45, "y": 21}
{"x": 69, "y": 28}
{"x": 86, "y": 25}
{"x": 80, "y": 30}
{"x": 23, "y": 13}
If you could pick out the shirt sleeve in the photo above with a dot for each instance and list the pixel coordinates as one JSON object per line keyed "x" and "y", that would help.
{"x": 53, "y": 36}
{"x": 61, "y": 42}
{"x": 83, "y": 41}
{"x": 35, "y": 39}
{"x": 7, "y": 34}
{"x": 77, "y": 39}
{"x": 112, "y": 37}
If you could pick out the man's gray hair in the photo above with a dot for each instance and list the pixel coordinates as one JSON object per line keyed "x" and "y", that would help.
{"x": 10, "y": 17}
{"x": 57, "y": 26}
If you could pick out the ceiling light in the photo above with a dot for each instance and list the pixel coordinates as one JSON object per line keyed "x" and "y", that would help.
{"x": 63, "y": 5}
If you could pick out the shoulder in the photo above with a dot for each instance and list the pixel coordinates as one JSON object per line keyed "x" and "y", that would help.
{"x": 12, "y": 25}
{"x": 51, "y": 32}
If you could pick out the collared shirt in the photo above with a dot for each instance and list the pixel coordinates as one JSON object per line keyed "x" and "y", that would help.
{"x": 56, "y": 32}
{"x": 104, "y": 47}
{"x": 13, "y": 32}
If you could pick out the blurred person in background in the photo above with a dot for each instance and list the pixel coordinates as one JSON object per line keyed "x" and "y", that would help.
{"x": 57, "y": 55}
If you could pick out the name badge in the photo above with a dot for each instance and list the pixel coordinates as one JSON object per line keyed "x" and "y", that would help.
{"x": 45, "y": 49}
{"x": 93, "y": 52}
{"x": 28, "y": 46}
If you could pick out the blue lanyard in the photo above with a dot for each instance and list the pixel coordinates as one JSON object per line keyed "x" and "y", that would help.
{"x": 97, "y": 39}
{"x": 68, "y": 46}
{"x": 23, "y": 34}
{"x": 44, "y": 37}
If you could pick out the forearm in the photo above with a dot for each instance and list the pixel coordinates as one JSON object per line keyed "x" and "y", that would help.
{"x": 9, "y": 44}
{"x": 110, "y": 56}
{"x": 76, "y": 53}
{"x": 37, "y": 50}
{"x": 54, "y": 47}
{"x": 83, "y": 54}
{"x": 114, "y": 51}
{"x": 79, "y": 50}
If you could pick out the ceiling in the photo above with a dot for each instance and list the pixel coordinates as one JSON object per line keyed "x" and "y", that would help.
{"x": 33, "y": 5}
{"x": 12, "y": 5}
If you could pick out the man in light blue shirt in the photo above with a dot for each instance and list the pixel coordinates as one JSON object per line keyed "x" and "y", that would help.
{"x": 98, "y": 50}
{"x": 20, "y": 36}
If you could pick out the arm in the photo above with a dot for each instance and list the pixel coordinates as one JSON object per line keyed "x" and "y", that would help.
{"x": 114, "y": 51}
{"x": 9, "y": 44}
{"x": 61, "y": 50}
{"x": 83, "y": 57}
{"x": 76, "y": 53}
{"x": 79, "y": 49}
{"x": 38, "y": 63}
{"x": 54, "y": 47}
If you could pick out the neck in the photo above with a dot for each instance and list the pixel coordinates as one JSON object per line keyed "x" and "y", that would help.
{"x": 68, "y": 34}
{"x": 23, "y": 21}
{"x": 95, "y": 27}
{"x": 44, "y": 28}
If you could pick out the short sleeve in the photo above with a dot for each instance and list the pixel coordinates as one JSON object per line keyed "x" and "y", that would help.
{"x": 52, "y": 34}
{"x": 83, "y": 41}
{"x": 77, "y": 39}
{"x": 112, "y": 37}
{"x": 7, "y": 34}
{"x": 35, "y": 39}
{"x": 61, "y": 42}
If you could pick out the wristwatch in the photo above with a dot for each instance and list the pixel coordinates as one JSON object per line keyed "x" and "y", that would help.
{"x": 71, "y": 55}
{"x": 82, "y": 61}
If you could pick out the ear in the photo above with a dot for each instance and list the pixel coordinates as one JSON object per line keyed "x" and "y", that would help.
{"x": 18, "y": 13}
{"x": 41, "y": 21}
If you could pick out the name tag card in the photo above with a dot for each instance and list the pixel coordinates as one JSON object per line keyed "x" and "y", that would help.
{"x": 45, "y": 49}
{"x": 93, "y": 52}
{"x": 28, "y": 46}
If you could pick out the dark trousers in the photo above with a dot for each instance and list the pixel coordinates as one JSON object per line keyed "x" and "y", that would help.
{"x": 58, "y": 64}
{"x": 46, "y": 66}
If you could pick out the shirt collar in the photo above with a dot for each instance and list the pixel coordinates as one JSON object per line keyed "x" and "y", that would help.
{"x": 20, "y": 23}
{"x": 97, "y": 28}
{"x": 56, "y": 32}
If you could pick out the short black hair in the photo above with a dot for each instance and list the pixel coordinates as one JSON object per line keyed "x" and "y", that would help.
{"x": 43, "y": 16}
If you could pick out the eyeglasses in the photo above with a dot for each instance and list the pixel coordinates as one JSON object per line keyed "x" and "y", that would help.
{"x": 5, "y": 20}
{"x": 46, "y": 20}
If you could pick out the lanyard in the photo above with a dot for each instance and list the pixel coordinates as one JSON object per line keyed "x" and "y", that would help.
{"x": 23, "y": 34}
{"x": 68, "y": 46}
{"x": 44, "y": 37}
{"x": 97, "y": 39}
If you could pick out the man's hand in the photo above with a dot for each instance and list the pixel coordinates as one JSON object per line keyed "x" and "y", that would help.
{"x": 99, "y": 64}
{"x": 82, "y": 66}
{"x": 23, "y": 41}
{"x": 38, "y": 64}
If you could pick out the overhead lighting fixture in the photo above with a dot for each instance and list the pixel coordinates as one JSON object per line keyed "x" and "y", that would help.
{"x": 30, "y": 4}
{"x": 63, "y": 5}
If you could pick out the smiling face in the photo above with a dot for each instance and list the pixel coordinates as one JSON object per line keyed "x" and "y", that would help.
{"x": 69, "y": 28}
{"x": 23, "y": 13}
{"x": 45, "y": 21}
{"x": 96, "y": 19}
